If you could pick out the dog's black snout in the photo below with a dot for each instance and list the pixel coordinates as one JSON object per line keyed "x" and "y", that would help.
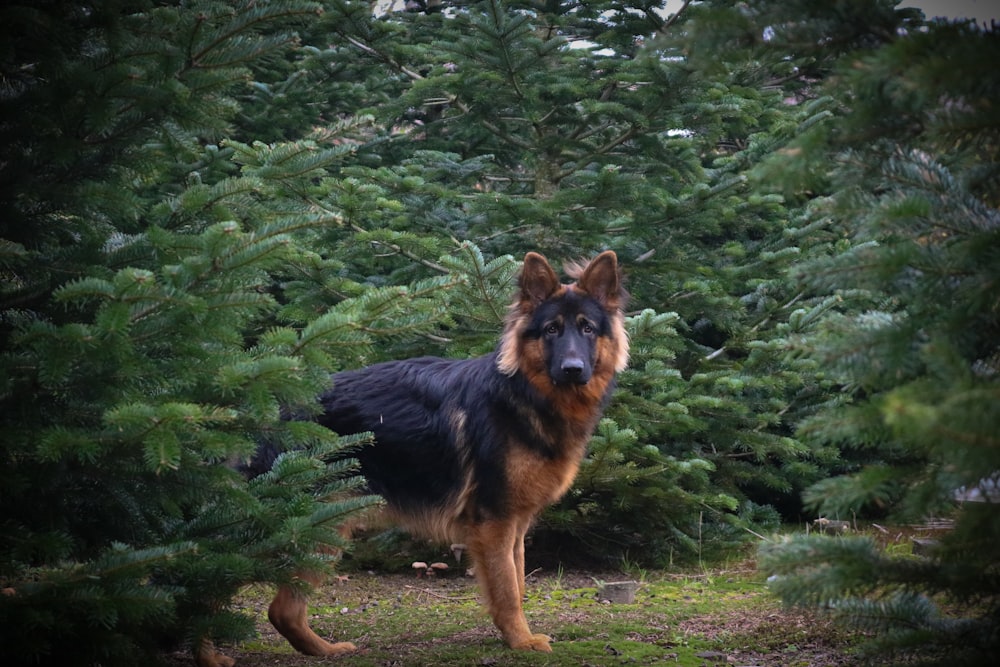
{"x": 573, "y": 368}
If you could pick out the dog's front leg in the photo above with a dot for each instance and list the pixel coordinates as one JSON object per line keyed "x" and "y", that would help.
{"x": 288, "y": 614}
{"x": 497, "y": 549}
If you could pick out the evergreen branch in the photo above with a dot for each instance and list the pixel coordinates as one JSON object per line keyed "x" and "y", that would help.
{"x": 600, "y": 150}
{"x": 331, "y": 325}
{"x": 583, "y": 133}
{"x": 480, "y": 279}
{"x": 497, "y": 130}
{"x": 251, "y": 14}
{"x": 452, "y": 99}
{"x": 217, "y": 59}
{"x": 715, "y": 354}
{"x": 399, "y": 67}
{"x": 499, "y": 18}
{"x": 399, "y": 250}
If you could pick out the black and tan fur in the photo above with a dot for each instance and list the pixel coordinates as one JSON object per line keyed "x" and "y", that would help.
{"x": 472, "y": 450}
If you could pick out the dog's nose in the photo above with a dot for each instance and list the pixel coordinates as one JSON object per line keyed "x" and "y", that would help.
{"x": 572, "y": 368}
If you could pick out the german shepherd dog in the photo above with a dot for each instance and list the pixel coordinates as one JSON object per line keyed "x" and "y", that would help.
{"x": 472, "y": 450}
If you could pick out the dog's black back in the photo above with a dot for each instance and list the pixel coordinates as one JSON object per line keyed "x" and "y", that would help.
{"x": 441, "y": 427}
{"x": 412, "y": 407}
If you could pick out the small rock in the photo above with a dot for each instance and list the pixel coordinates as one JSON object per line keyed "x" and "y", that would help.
{"x": 620, "y": 592}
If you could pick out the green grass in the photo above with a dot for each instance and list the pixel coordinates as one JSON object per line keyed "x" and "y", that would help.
{"x": 687, "y": 620}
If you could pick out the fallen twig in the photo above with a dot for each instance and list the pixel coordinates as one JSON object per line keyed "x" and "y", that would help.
{"x": 441, "y": 596}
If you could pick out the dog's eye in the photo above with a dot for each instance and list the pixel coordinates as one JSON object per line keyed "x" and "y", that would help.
{"x": 587, "y": 328}
{"x": 552, "y": 329}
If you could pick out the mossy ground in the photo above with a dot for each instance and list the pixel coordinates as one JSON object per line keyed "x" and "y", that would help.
{"x": 706, "y": 618}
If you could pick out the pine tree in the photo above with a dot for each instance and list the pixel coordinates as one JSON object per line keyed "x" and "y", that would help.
{"x": 166, "y": 295}
{"x": 916, "y": 197}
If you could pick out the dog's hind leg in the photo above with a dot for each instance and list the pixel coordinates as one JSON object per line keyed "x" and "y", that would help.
{"x": 519, "y": 560}
{"x": 497, "y": 549}
{"x": 288, "y": 614}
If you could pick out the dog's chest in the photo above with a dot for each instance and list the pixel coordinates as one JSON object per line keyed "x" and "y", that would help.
{"x": 535, "y": 481}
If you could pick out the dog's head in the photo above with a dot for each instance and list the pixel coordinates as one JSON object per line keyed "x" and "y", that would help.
{"x": 568, "y": 333}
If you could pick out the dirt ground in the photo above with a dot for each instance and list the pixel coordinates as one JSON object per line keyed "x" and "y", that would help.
{"x": 752, "y": 632}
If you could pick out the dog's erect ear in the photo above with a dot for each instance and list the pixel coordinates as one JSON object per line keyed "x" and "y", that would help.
{"x": 538, "y": 280}
{"x": 601, "y": 279}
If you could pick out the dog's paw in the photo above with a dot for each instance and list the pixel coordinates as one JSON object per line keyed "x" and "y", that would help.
{"x": 338, "y": 648}
{"x": 213, "y": 658}
{"x": 536, "y": 642}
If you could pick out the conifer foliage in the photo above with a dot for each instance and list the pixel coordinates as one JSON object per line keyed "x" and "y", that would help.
{"x": 916, "y": 359}
{"x": 146, "y": 345}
